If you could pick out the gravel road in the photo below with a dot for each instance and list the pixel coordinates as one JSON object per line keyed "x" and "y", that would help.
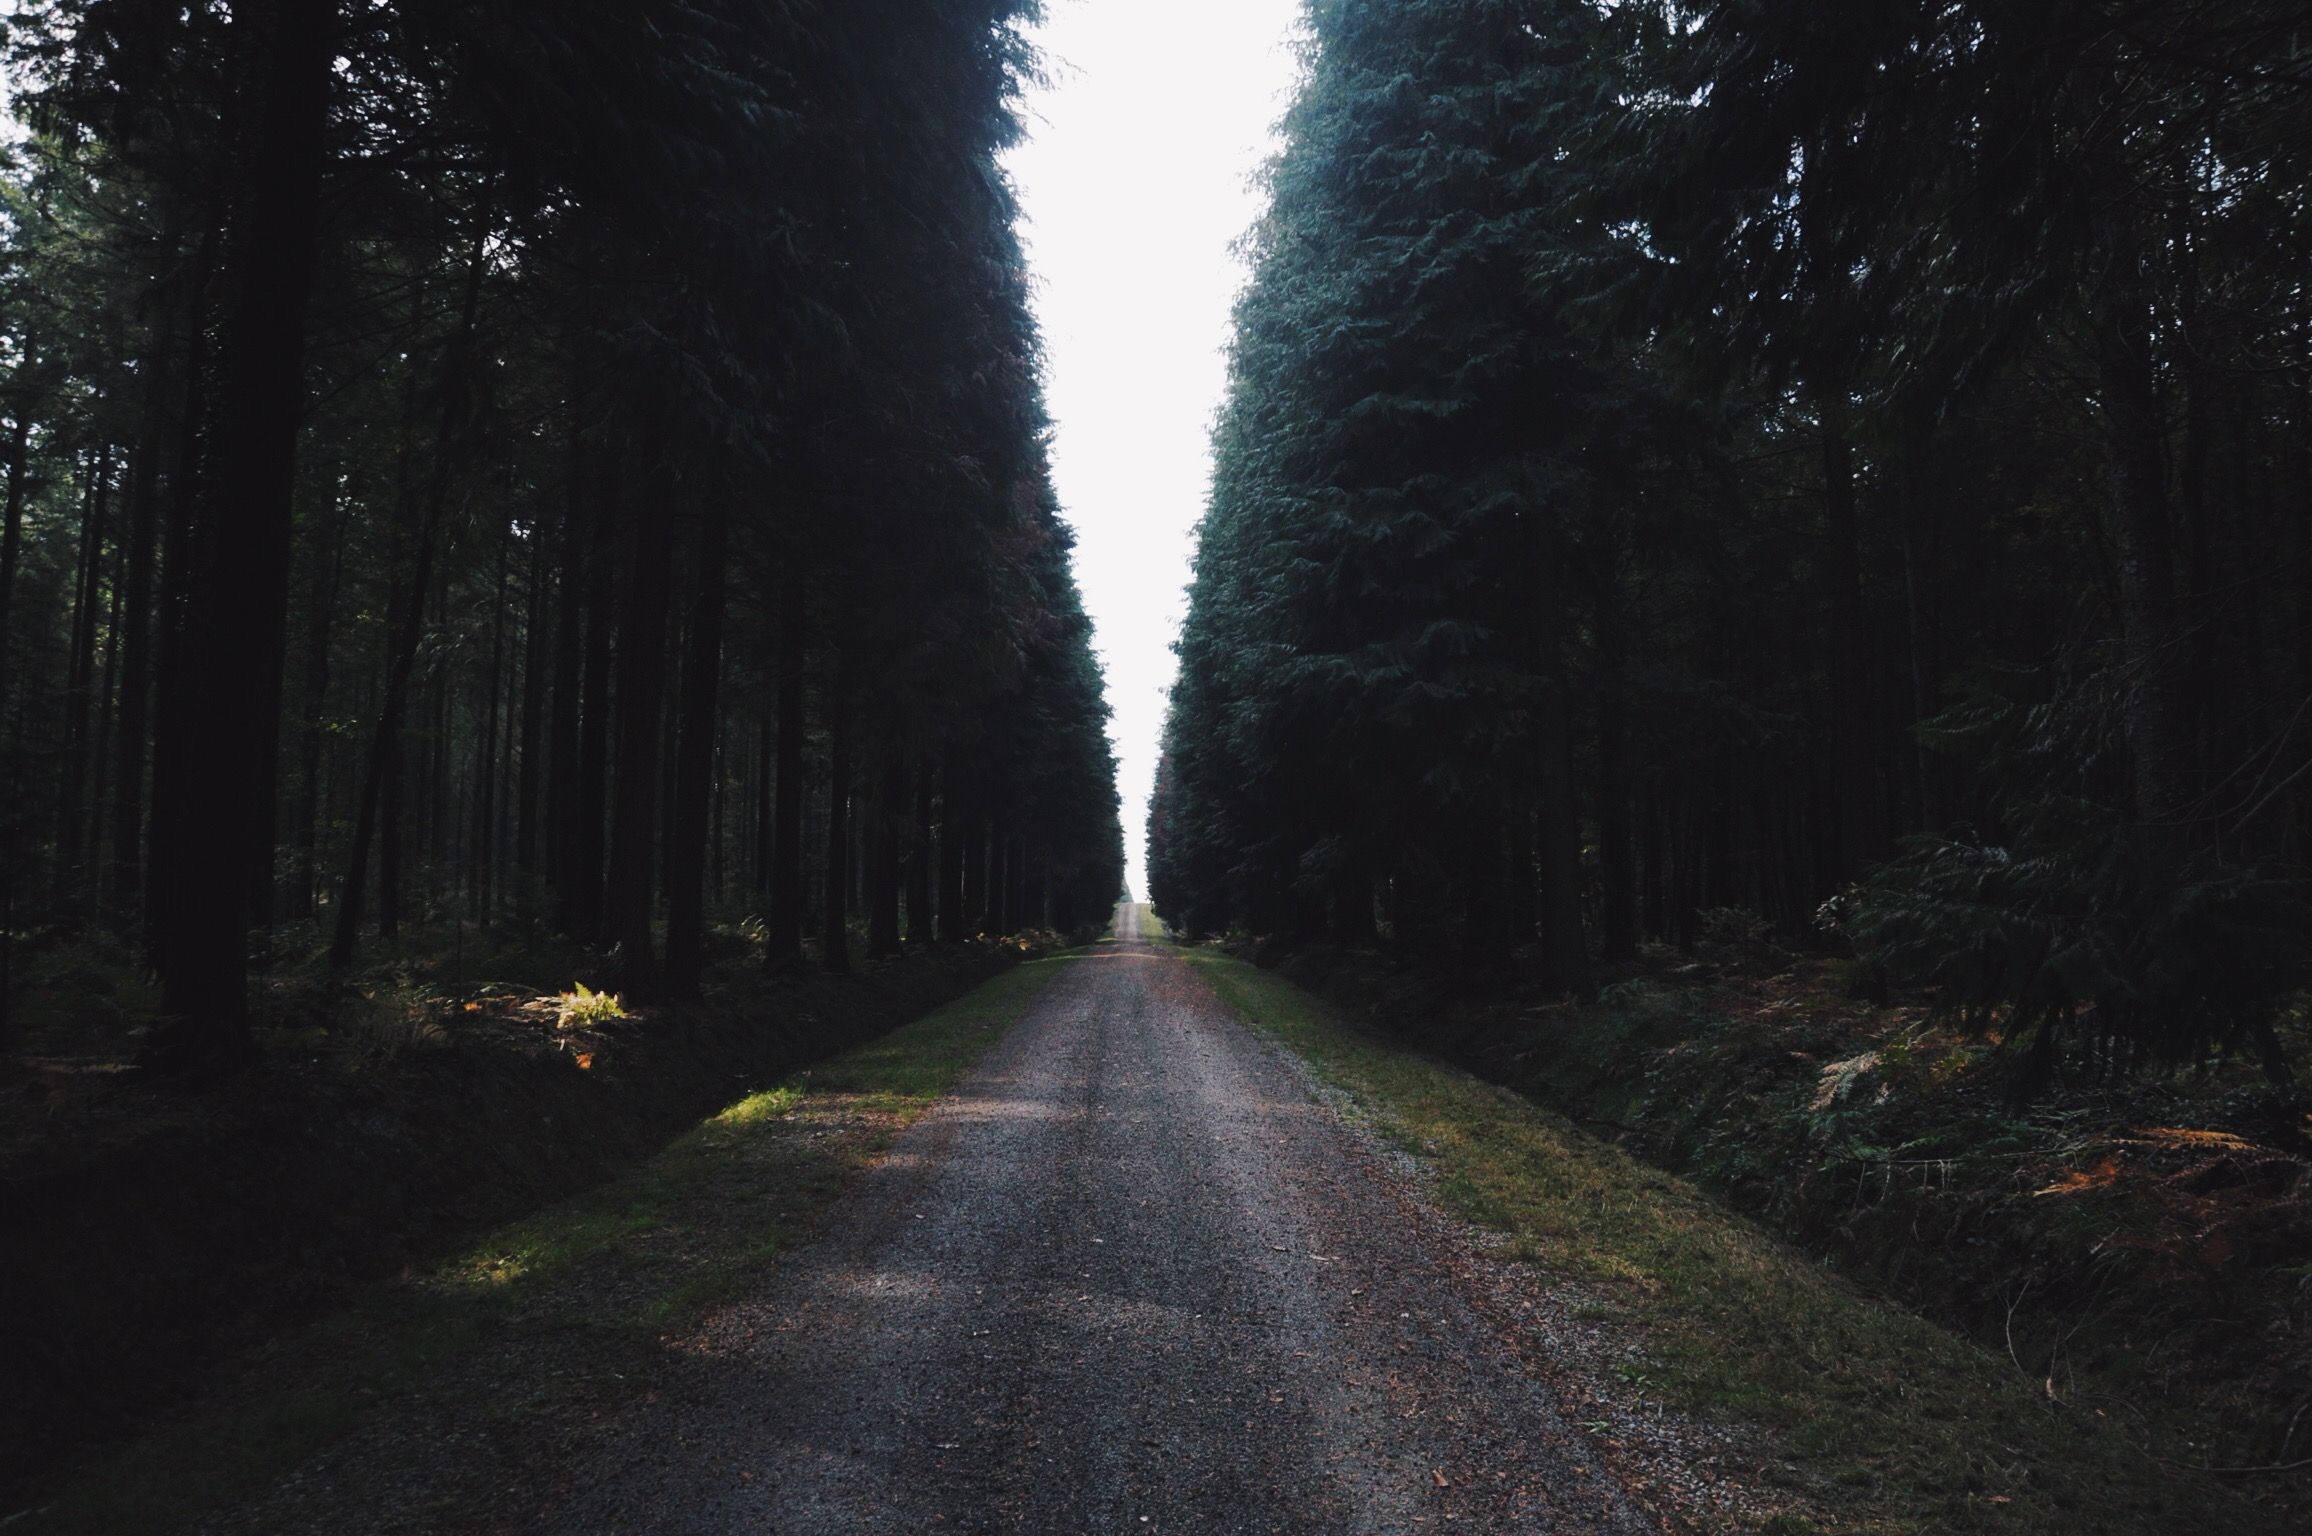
{"x": 1132, "y": 1277}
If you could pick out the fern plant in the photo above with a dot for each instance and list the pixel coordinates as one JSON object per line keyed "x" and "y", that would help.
{"x": 583, "y": 1007}
{"x": 2064, "y": 925}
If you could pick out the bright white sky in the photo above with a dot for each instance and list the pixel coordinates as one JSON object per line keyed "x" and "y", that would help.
{"x": 1136, "y": 181}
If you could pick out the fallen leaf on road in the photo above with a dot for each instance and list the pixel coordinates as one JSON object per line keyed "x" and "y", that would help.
{"x": 1441, "y": 1482}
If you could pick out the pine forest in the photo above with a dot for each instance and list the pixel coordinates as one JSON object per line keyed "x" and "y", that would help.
{"x": 1846, "y": 471}
{"x": 830, "y": 767}
{"x": 549, "y": 465}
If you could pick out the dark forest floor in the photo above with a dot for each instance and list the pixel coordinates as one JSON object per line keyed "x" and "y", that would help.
{"x": 153, "y": 1232}
{"x": 2139, "y": 1249}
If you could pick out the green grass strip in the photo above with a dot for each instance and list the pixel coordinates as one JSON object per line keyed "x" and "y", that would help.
{"x": 693, "y": 1226}
{"x": 1884, "y": 1421}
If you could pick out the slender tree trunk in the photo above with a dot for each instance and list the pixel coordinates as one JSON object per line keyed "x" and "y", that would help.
{"x": 783, "y": 930}
{"x": 999, "y": 884}
{"x": 835, "y": 934}
{"x": 393, "y": 835}
{"x": 1854, "y": 750}
{"x": 80, "y": 684}
{"x": 12, "y": 534}
{"x": 128, "y": 784}
{"x": 718, "y": 841}
{"x": 381, "y": 790}
{"x": 1485, "y": 900}
{"x": 919, "y": 860}
{"x": 237, "y": 615}
{"x": 695, "y": 765}
{"x": 328, "y": 579}
{"x": 562, "y": 730}
{"x": 1655, "y": 850}
{"x": 764, "y": 849}
{"x": 883, "y": 883}
{"x": 582, "y": 875}
{"x": 2158, "y": 739}
{"x": 1921, "y": 579}
{"x": 527, "y": 766}
{"x": 1617, "y": 842}
{"x": 100, "y": 760}
{"x": 485, "y": 851}
{"x": 1518, "y": 901}
{"x": 669, "y": 748}
{"x": 976, "y": 909}
{"x": 952, "y": 838}
{"x": 1563, "y": 951}
{"x": 627, "y": 884}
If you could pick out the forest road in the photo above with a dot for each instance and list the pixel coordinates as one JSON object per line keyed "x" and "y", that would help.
{"x": 1132, "y": 1277}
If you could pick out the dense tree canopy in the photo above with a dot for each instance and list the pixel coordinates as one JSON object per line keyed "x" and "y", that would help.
{"x": 1736, "y": 463}
{"x": 574, "y": 463}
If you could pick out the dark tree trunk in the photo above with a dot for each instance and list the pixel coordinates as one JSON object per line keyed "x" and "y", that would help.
{"x": 237, "y": 608}
{"x": 951, "y": 848}
{"x": 562, "y": 730}
{"x": 783, "y": 930}
{"x": 883, "y": 893}
{"x": 1921, "y": 584}
{"x": 328, "y": 577}
{"x": 919, "y": 860}
{"x": 765, "y": 811}
{"x": 626, "y": 886}
{"x": 669, "y": 750}
{"x": 527, "y": 765}
{"x": 173, "y": 732}
{"x": 101, "y": 759}
{"x": 1655, "y": 882}
{"x": 2159, "y": 742}
{"x": 80, "y": 685}
{"x": 834, "y": 932}
{"x": 12, "y": 533}
{"x": 582, "y": 892}
{"x": 999, "y": 916}
{"x": 974, "y": 910}
{"x": 393, "y": 830}
{"x": 695, "y": 766}
{"x": 128, "y": 783}
{"x": 1854, "y": 742}
{"x": 381, "y": 788}
{"x": 1617, "y": 844}
{"x": 1523, "y": 915}
{"x": 485, "y": 849}
{"x": 1485, "y": 931}
{"x": 1563, "y": 951}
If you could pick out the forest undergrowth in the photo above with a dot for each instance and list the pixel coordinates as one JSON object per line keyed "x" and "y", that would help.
{"x": 2138, "y": 1248}
{"x": 554, "y": 1316}
{"x": 455, "y": 1081}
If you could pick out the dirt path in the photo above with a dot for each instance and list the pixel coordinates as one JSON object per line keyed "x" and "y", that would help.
{"x": 1130, "y": 1278}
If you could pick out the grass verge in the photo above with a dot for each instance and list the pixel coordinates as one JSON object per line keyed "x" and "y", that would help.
{"x": 1882, "y": 1420}
{"x": 602, "y": 1275}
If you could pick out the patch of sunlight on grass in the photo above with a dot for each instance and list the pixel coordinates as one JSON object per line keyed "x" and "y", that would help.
{"x": 688, "y": 1230}
{"x": 1896, "y": 1426}
{"x": 755, "y": 1108}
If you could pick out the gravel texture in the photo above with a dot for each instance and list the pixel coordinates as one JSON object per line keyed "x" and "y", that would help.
{"x": 1131, "y": 1277}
